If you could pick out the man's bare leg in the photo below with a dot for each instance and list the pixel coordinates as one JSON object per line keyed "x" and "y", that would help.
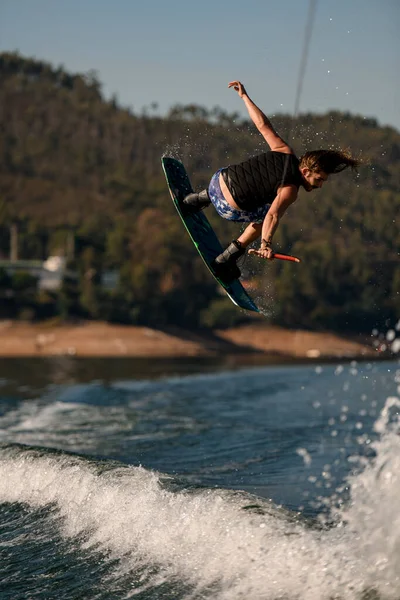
{"x": 250, "y": 234}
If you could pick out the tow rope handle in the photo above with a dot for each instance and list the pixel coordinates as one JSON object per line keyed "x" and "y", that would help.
{"x": 287, "y": 257}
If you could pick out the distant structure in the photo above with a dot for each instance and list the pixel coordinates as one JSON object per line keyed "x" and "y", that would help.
{"x": 51, "y": 272}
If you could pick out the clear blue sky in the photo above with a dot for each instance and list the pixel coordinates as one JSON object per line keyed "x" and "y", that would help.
{"x": 183, "y": 51}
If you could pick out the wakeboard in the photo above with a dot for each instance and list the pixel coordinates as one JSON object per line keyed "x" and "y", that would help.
{"x": 201, "y": 232}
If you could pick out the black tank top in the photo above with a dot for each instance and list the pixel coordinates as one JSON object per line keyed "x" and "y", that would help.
{"x": 254, "y": 182}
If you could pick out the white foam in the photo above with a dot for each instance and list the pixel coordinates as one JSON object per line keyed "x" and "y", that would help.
{"x": 207, "y": 539}
{"x": 373, "y": 515}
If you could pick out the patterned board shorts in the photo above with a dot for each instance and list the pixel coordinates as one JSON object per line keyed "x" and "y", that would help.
{"x": 226, "y": 211}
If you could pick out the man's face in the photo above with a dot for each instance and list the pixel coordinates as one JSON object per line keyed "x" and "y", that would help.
{"x": 313, "y": 180}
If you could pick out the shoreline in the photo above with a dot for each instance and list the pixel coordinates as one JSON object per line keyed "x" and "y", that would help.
{"x": 103, "y": 340}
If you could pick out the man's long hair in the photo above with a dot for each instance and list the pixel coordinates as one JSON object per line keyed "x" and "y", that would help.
{"x": 329, "y": 161}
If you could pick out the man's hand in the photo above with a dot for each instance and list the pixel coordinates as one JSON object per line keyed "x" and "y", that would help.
{"x": 266, "y": 253}
{"x": 239, "y": 87}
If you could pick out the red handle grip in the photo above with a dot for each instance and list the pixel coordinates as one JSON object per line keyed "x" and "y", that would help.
{"x": 287, "y": 257}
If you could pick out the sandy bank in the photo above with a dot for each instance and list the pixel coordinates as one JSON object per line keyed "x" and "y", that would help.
{"x": 104, "y": 339}
{"x": 298, "y": 343}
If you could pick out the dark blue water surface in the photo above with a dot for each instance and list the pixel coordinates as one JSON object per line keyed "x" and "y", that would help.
{"x": 190, "y": 479}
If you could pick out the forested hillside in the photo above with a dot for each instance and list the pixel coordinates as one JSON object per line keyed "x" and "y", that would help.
{"x": 74, "y": 164}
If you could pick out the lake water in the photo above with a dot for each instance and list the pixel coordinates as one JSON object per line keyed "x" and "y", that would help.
{"x": 190, "y": 479}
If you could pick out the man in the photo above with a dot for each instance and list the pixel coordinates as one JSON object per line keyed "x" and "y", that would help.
{"x": 260, "y": 189}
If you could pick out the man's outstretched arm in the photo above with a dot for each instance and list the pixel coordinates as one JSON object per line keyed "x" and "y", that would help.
{"x": 261, "y": 121}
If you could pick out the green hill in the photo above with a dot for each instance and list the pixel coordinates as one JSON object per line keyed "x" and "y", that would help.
{"x": 73, "y": 163}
